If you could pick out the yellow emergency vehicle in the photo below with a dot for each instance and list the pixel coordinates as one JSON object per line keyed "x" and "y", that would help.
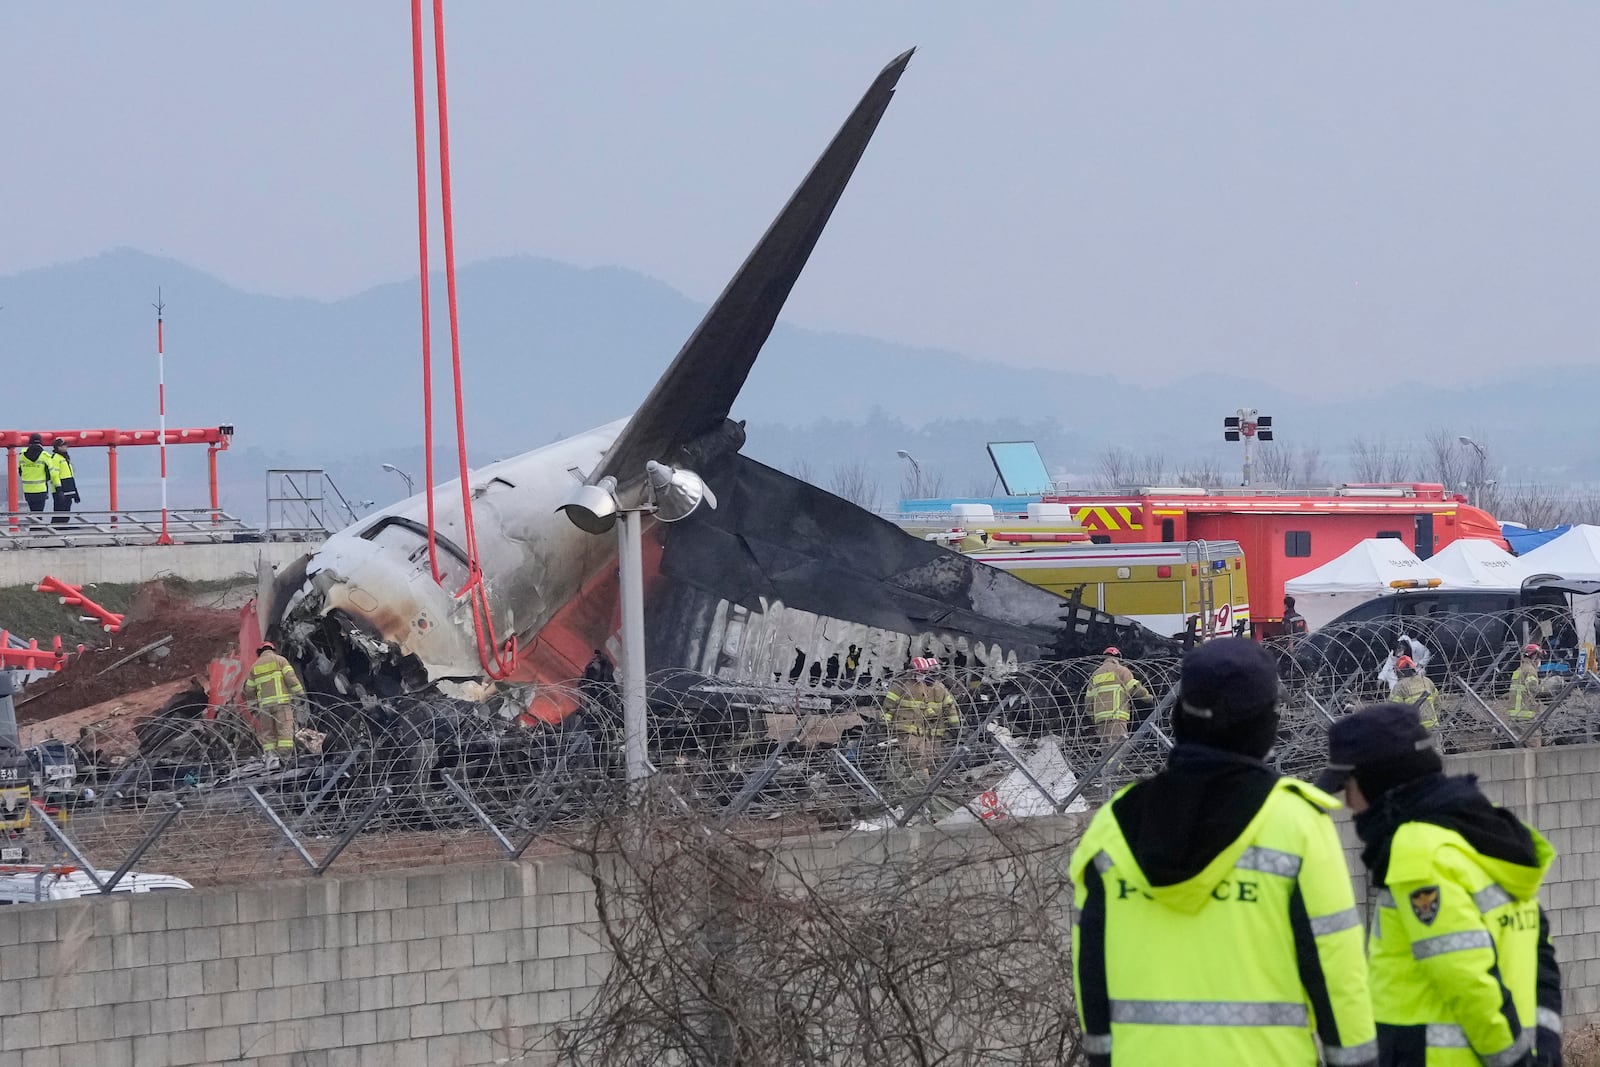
{"x": 1160, "y": 585}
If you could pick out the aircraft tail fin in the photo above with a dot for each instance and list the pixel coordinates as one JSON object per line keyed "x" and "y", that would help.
{"x": 697, "y": 391}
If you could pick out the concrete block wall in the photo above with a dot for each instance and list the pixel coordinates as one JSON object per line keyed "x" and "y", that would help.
{"x": 453, "y": 966}
{"x": 1558, "y": 790}
{"x": 477, "y": 964}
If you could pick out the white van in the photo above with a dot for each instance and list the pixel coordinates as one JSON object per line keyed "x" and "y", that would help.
{"x": 30, "y": 883}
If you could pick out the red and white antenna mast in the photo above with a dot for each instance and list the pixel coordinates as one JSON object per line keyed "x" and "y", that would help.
{"x": 161, "y": 398}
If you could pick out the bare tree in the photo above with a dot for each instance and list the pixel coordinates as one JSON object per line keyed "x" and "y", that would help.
{"x": 802, "y": 469}
{"x": 1309, "y": 472}
{"x": 1540, "y": 507}
{"x": 1446, "y": 460}
{"x": 954, "y": 950}
{"x": 920, "y": 484}
{"x": 1288, "y": 466}
{"x": 1206, "y": 474}
{"x": 1118, "y": 468}
{"x": 1377, "y": 459}
{"x": 1151, "y": 469}
{"x": 855, "y": 483}
{"x": 1114, "y": 468}
{"x": 1273, "y": 464}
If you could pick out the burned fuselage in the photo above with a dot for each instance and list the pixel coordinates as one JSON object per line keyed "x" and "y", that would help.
{"x": 367, "y": 613}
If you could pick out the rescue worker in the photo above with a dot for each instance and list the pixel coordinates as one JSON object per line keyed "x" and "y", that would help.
{"x": 1416, "y": 689}
{"x": 599, "y": 682}
{"x": 63, "y": 485}
{"x": 1215, "y": 919}
{"x": 34, "y": 470}
{"x": 920, "y": 713}
{"x": 1294, "y": 623}
{"x": 1462, "y": 967}
{"x": 1526, "y": 694}
{"x": 273, "y": 689}
{"x": 1110, "y": 696}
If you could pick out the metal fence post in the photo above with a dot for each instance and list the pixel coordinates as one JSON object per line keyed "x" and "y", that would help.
{"x": 149, "y": 839}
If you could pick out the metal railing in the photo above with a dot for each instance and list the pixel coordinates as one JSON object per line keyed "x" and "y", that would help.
{"x": 305, "y": 502}
{"x": 417, "y": 782}
{"x": 44, "y": 529}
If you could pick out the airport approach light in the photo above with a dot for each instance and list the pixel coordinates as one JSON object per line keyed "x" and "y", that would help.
{"x": 1245, "y": 425}
{"x": 675, "y": 493}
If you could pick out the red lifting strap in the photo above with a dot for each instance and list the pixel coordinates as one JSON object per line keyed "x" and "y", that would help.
{"x": 497, "y": 660}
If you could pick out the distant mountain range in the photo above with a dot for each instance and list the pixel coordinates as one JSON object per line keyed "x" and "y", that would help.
{"x": 550, "y": 349}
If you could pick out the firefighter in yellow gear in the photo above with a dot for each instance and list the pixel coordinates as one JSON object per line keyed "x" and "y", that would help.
{"x": 1215, "y": 921}
{"x": 36, "y": 472}
{"x": 1527, "y": 693}
{"x": 273, "y": 689}
{"x": 920, "y": 712}
{"x": 1110, "y": 696}
{"x": 1462, "y": 967}
{"x": 1416, "y": 689}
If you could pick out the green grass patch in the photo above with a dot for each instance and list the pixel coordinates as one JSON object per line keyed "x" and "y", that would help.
{"x": 40, "y": 615}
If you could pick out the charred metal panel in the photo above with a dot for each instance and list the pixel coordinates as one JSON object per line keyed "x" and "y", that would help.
{"x": 783, "y": 571}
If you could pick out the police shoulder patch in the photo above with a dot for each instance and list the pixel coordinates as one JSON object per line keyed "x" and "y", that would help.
{"x": 1425, "y": 904}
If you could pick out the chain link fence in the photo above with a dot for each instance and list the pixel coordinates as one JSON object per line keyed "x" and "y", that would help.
{"x": 410, "y": 782}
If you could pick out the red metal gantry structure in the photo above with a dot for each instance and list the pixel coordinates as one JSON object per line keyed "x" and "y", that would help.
{"x": 215, "y": 438}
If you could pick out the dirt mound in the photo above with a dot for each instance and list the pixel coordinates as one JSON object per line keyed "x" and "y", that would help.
{"x": 198, "y": 635}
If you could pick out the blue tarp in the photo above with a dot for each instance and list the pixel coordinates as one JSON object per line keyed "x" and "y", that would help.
{"x": 1524, "y": 541}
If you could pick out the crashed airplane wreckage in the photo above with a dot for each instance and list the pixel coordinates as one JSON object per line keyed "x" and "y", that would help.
{"x": 777, "y": 581}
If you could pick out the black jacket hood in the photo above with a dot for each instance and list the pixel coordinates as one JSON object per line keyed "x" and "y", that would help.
{"x": 1452, "y": 803}
{"x": 1179, "y": 821}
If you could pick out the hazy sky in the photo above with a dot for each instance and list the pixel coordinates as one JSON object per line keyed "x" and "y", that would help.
{"x": 1335, "y": 192}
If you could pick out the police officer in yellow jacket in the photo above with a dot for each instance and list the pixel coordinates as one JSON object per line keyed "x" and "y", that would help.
{"x": 35, "y": 471}
{"x": 1215, "y": 918}
{"x": 274, "y": 689}
{"x": 1462, "y": 967}
{"x": 63, "y": 482}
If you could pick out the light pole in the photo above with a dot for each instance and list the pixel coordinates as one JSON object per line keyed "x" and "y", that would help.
{"x": 391, "y": 468}
{"x": 916, "y": 471}
{"x": 1483, "y": 459}
{"x": 673, "y": 494}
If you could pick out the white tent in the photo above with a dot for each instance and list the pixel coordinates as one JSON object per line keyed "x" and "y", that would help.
{"x": 1575, "y": 554}
{"x": 1362, "y": 573}
{"x": 1476, "y": 563}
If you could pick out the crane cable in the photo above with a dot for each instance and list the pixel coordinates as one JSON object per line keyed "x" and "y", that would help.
{"x": 497, "y": 659}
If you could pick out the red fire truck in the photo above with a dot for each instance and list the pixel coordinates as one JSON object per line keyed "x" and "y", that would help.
{"x": 1283, "y": 534}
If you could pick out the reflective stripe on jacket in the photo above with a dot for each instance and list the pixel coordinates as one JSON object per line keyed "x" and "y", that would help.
{"x": 1418, "y": 690}
{"x": 1111, "y": 690}
{"x": 1253, "y": 961}
{"x": 1525, "y": 703}
{"x": 1455, "y": 952}
{"x": 272, "y": 681}
{"x": 36, "y": 474}
{"x": 918, "y": 707}
{"x": 60, "y": 471}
